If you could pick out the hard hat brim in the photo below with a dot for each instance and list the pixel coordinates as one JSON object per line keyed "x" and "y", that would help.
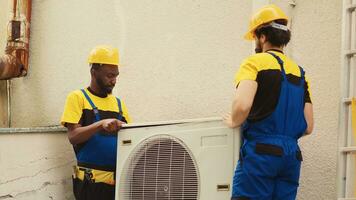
{"x": 249, "y": 36}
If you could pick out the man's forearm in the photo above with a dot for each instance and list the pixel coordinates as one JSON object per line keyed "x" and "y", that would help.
{"x": 82, "y": 134}
{"x": 308, "y": 114}
{"x": 239, "y": 113}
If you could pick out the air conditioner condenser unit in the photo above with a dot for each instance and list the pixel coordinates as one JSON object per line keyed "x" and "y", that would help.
{"x": 186, "y": 160}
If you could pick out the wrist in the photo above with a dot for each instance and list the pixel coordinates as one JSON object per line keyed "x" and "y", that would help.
{"x": 100, "y": 125}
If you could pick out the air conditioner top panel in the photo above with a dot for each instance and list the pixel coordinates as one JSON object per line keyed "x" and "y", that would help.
{"x": 170, "y": 122}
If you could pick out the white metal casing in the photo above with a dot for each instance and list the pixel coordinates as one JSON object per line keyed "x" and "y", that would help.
{"x": 213, "y": 146}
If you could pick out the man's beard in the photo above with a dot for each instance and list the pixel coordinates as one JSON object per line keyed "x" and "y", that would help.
{"x": 104, "y": 88}
{"x": 258, "y": 48}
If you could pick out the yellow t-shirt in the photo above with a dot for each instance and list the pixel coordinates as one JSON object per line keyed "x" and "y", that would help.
{"x": 77, "y": 109}
{"x": 266, "y": 71}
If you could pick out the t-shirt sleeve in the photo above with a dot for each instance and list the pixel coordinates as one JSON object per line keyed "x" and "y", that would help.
{"x": 307, "y": 91}
{"x": 247, "y": 71}
{"x": 73, "y": 109}
{"x": 125, "y": 112}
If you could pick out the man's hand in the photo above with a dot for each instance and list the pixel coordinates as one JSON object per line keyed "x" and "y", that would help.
{"x": 228, "y": 121}
{"x": 112, "y": 125}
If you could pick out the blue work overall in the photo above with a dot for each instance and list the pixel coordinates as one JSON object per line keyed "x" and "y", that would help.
{"x": 101, "y": 148}
{"x": 270, "y": 158}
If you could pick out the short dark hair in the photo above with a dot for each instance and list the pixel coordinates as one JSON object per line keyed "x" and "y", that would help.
{"x": 276, "y": 37}
{"x": 95, "y": 66}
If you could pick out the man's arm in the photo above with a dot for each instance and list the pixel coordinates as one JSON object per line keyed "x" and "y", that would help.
{"x": 78, "y": 134}
{"x": 308, "y": 114}
{"x": 242, "y": 103}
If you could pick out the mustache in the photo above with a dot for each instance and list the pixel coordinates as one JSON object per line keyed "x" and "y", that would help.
{"x": 107, "y": 88}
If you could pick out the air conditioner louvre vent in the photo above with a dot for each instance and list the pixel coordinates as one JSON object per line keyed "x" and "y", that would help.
{"x": 160, "y": 168}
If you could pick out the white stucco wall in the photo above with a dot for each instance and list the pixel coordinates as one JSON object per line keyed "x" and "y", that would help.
{"x": 35, "y": 167}
{"x": 179, "y": 59}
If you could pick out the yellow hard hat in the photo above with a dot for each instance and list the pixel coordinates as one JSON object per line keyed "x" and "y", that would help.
{"x": 266, "y": 14}
{"x": 104, "y": 54}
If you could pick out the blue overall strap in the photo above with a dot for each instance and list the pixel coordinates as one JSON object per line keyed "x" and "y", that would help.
{"x": 119, "y": 117}
{"x": 280, "y": 61}
{"x": 302, "y": 74}
{"x": 95, "y": 109}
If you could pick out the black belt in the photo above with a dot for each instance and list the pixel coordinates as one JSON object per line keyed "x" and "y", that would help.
{"x": 98, "y": 167}
{"x": 240, "y": 198}
{"x": 270, "y": 149}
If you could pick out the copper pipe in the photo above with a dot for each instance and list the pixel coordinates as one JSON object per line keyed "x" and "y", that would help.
{"x": 14, "y": 7}
{"x": 9, "y": 65}
{"x": 15, "y": 61}
{"x": 28, "y": 17}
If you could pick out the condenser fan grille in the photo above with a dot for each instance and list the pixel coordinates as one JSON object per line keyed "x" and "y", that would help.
{"x": 161, "y": 168}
